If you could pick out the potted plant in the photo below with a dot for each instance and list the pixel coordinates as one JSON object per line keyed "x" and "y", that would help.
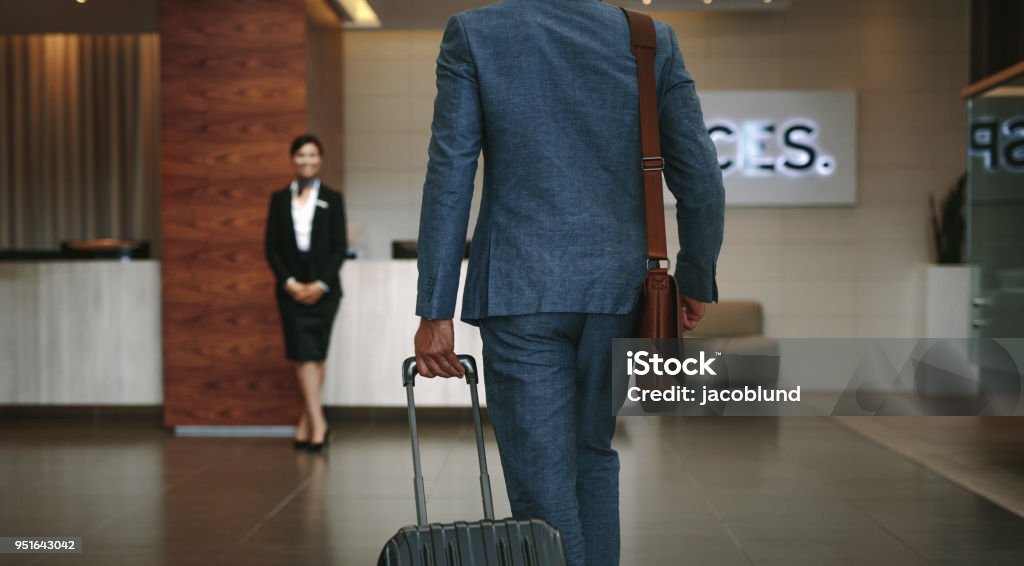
{"x": 948, "y": 281}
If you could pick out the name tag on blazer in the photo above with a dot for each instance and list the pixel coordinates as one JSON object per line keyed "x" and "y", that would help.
{"x": 321, "y": 203}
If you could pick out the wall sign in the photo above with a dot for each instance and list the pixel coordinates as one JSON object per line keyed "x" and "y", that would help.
{"x": 998, "y": 142}
{"x": 784, "y": 148}
{"x": 996, "y": 153}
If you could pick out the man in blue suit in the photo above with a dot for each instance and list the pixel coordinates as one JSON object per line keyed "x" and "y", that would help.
{"x": 547, "y": 89}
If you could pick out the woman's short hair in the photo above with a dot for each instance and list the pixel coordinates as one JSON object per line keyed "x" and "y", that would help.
{"x": 303, "y": 140}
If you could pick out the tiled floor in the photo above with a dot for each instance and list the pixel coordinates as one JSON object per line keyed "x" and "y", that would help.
{"x": 695, "y": 491}
{"x": 983, "y": 454}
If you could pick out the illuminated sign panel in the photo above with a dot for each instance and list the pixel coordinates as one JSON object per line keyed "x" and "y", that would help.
{"x": 999, "y": 143}
{"x": 744, "y": 148}
{"x": 784, "y": 148}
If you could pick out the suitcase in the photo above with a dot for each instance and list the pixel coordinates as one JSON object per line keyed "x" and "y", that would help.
{"x": 505, "y": 542}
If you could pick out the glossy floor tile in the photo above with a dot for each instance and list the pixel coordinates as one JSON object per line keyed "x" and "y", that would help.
{"x": 695, "y": 491}
{"x": 983, "y": 454}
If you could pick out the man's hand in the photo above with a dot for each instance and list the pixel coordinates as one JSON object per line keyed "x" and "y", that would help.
{"x": 435, "y": 349}
{"x": 693, "y": 312}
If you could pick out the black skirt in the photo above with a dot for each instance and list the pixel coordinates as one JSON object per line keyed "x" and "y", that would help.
{"x": 307, "y": 328}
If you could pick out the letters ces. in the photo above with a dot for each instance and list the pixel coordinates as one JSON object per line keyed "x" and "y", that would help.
{"x": 762, "y": 148}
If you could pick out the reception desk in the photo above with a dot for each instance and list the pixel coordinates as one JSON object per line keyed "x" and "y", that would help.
{"x": 374, "y": 332}
{"x": 80, "y": 332}
{"x": 88, "y": 333}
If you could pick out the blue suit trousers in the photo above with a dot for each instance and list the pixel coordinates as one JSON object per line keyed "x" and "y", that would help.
{"x": 549, "y": 393}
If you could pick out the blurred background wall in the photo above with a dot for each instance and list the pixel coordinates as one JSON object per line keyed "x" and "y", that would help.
{"x": 822, "y": 272}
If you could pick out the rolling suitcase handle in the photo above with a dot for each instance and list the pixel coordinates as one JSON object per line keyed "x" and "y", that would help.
{"x": 409, "y": 373}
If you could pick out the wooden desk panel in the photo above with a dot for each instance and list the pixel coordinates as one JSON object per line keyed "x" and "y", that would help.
{"x": 84, "y": 332}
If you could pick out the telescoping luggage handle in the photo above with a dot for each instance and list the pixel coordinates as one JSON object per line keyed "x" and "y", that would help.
{"x": 409, "y": 373}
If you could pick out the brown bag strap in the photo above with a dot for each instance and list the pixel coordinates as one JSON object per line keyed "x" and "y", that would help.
{"x": 645, "y": 46}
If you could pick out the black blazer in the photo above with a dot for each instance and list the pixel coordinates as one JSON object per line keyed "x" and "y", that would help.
{"x": 328, "y": 241}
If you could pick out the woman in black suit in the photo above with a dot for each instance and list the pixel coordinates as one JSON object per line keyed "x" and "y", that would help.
{"x": 306, "y": 244}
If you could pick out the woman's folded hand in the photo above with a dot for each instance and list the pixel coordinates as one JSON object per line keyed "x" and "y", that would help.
{"x": 305, "y": 293}
{"x": 311, "y": 294}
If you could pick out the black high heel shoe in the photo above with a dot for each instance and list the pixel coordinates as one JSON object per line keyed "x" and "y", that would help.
{"x": 319, "y": 446}
{"x": 301, "y": 444}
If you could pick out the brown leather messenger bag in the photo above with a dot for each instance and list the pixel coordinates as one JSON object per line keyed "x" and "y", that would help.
{"x": 660, "y": 309}
{"x": 660, "y": 315}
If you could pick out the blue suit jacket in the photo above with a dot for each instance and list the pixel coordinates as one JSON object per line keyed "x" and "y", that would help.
{"x": 547, "y": 90}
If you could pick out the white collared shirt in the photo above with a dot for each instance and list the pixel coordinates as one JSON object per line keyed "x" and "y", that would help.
{"x": 302, "y": 219}
{"x": 302, "y": 214}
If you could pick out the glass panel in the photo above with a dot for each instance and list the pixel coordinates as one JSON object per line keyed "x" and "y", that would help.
{"x": 995, "y": 213}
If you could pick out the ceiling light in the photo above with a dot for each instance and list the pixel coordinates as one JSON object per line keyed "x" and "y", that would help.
{"x": 361, "y": 13}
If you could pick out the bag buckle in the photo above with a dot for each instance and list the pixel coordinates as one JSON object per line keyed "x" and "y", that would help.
{"x": 658, "y": 163}
{"x": 656, "y": 263}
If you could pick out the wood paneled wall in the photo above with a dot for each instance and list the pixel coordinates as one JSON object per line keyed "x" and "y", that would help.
{"x": 233, "y": 95}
